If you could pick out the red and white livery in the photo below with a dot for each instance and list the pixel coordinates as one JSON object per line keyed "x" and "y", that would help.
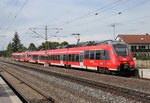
{"x": 105, "y": 57}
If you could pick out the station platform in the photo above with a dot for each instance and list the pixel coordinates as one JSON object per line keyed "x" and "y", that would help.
{"x": 6, "y": 94}
{"x": 144, "y": 73}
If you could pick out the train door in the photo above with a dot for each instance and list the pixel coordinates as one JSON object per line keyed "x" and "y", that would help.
{"x": 105, "y": 58}
{"x": 61, "y": 59}
{"x": 103, "y": 62}
{"x": 81, "y": 59}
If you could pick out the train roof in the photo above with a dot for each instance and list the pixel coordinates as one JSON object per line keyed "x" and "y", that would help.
{"x": 85, "y": 44}
{"x": 74, "y": 48}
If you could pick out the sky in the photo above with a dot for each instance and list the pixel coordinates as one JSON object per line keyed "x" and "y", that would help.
{"x": 94, "y": 20}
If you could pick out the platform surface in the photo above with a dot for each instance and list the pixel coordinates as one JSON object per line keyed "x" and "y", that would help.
{"x": 145, "y": 73}
{"x": 6, "y": 94}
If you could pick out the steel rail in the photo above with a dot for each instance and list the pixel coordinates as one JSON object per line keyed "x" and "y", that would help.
{"x": 49, "y": 98}
{"x": 129, "y": 93}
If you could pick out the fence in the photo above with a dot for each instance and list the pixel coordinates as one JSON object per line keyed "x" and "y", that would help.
{"x": 142, "y": 63}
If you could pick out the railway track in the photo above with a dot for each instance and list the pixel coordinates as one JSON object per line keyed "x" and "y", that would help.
{"x": 45, "y": 98}
{"x": 128, "y": 93}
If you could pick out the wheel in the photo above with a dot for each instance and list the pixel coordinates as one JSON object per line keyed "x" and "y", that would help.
{"x": 98, "y": 70}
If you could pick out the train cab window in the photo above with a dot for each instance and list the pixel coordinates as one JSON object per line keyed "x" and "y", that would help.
{"x": 98, "y": 54}
{"x": 92, "y": 54}
{"x": 86, "y": 55}
{"x": 121, "y": 49}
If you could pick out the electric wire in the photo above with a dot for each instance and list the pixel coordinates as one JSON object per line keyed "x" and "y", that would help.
{"x": 15, "y": 16}
{"x": 112, "y": 15}
{"x": 126, "y": 21}
{"x": 87, "y": 14}
{"x": 9, "y": 14}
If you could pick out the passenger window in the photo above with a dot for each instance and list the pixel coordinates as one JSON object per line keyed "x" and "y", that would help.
{"x": 105, "y": 55}
{"x": 55, "y": 57}
{"x": 52, "y": 57}
{"x": 77, "y": 58}
{"x": 98, "y": 53}
{"x": 64, "y": 57}
{"x": 58, "y": 57}
{"x": 73, "y": 57}
{"x": 48, "y": 57}
{"x": 86, "y": 55}
{"x": 69, "y": 57}
{"x": 92, "y": 54}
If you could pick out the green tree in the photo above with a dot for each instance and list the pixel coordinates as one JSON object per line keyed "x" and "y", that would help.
{"x": 41, "y": 47}
{"x": 53, "y": 45}
{"x": 48, "y": 45}
{"x": 3, "y": 53}
{"x": 9, "y": 49}
{"x": 22, "y": 48}
{"x": 64, "y": 43}
{"x": 32, "y": 47}
{"x": 16, "y": 43}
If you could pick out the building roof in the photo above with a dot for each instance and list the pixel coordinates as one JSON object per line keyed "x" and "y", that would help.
{"x": 135, "y": 39}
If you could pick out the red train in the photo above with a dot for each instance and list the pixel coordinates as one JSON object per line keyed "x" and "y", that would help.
{"x": 105, "y": 57}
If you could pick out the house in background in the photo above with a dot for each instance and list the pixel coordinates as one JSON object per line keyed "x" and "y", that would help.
{"x": 138, "y": 43}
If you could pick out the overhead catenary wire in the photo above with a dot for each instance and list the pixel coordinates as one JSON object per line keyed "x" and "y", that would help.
{"x": 112, "y": 15}
{"x": 108, "y": 25}
{"x": 10, "y": 24}
{"x": 4, "y": 22}
{"x": 113, "y": 4}
{"x": 104, "y": 18}
{"x": 91, "y": 12}
{"x": 126, "y": 21}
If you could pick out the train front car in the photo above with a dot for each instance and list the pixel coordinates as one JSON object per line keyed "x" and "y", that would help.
{"x": 123, "y": 59}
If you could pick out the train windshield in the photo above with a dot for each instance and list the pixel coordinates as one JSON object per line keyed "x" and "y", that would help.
{"x": 121, "y": 49}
